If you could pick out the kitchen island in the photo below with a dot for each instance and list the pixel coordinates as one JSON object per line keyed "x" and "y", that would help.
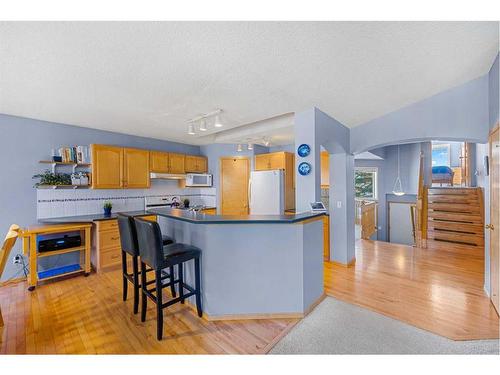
{"x": 253, "y": 266}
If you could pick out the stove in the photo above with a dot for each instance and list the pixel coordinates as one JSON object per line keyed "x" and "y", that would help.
{"x": 163, "y": 201}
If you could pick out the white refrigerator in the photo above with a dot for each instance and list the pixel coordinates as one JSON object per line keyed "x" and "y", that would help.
{"x": 267, "y": 192}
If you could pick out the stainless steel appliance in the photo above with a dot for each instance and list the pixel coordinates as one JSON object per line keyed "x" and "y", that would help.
{"x": 163, "y": 201}
{"x": 198, "y": 180}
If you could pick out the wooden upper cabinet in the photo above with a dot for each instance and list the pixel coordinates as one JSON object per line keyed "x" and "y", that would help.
{"x": 176, "y": 163}
{"x": 325, "y": 169}
{"x": 135, "y": 168}
{"x": 196, "y": 164}
{"x": 262, "y": 162}
{"x": 158, "y": 161}
{"x": 107, "y": 167}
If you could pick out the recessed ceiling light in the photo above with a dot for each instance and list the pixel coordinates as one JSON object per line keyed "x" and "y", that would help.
{"x": 191, "y": 129}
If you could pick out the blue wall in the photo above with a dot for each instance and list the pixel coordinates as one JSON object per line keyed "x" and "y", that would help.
{"x": 456, "y": 114}
{"x": 387, "y": 173}
{"x": 493, "y": 97}
{"x": 215, "y": 151}
{"x": 25, "y": 141}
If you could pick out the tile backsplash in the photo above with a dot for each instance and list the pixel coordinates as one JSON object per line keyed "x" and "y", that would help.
{"x": 73, "y": 202}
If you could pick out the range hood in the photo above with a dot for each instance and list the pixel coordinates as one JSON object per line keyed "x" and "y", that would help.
{"x": 167, "y": 176}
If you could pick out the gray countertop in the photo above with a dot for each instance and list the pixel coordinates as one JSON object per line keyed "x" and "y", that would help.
{"x": 201, "y": 218}
{"x": 90, "y": 218}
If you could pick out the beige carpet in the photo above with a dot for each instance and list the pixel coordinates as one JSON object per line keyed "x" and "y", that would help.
{"x": 336, "y": 327}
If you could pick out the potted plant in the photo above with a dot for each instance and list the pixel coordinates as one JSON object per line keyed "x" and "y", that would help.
{"x": 107, "y": 208}
{"x": 48, "y": 178}
{"x": 186, "y": 202}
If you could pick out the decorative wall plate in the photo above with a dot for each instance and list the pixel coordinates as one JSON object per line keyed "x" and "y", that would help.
{"x": 304, "y": 168}
{"x": 303, "y": 150}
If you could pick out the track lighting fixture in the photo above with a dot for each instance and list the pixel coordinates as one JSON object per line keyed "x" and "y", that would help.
{"x": 203, "y": 125}
{"x": 217, "y": 122}
{"x": 203, "y": 121}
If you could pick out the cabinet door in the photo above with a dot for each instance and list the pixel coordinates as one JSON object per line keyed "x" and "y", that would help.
{"x": 176, "y": 163}
{"x": 202, "y": 164}
{"x": 190, "y": 164}
{"x": 158, "y": 161}
{"x": 325, "y": 169}
{"x": 136, "y": 168}
{"x": 277, "y": 160}
{"x": 107, "y": 167}
{"x": 262, "y": 162}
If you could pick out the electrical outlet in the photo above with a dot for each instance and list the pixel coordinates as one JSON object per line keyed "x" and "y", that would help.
{"x": 17, "y": 259}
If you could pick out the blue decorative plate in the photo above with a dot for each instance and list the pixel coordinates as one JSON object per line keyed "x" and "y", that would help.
{"x": 304, "y": 168}
{"x": 303, "y": 150}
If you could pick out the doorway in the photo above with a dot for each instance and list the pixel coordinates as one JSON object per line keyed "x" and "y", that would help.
{"x": 400, "y": 223}
{"x": 451, "y": 164}
{"x": 234, "y": 176}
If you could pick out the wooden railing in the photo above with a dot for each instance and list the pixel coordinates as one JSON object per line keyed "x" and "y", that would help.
{"x": 366, "y": 216}
{"x": 421, "y": 208}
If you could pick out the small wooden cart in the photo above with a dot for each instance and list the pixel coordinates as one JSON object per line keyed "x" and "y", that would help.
{"x": 30, "y": 235}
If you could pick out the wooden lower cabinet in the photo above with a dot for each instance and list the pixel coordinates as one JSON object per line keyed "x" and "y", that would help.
{"x": 209, "y": 211}
{"x": 106, "y": 247}
{"x": 326, "y": 238}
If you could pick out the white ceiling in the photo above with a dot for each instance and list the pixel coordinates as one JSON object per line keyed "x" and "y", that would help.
{"x": 148, "y": 78}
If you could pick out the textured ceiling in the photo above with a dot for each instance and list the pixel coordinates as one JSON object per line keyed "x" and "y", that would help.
{"x": 148, "y": 78}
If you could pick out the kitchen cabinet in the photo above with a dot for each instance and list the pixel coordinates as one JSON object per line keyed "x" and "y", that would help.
{"x": 326, "y": 238}
{"x": 158, "y": 161}
{"x": 196, "y": 164}
{"x": 107, "y": 167}
{"x": 106, "y": 246}
{"x": 176, "y": 163}
{"x": 286, "y": 162}
{"x": 325, "y": 169}
{"x": 118, "y": 167}
{"x": 135, "y": 168}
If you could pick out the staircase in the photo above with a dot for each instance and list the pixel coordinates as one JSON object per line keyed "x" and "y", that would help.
{"x": 456, "y": 215}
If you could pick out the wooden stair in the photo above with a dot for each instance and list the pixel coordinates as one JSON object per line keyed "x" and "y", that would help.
{"x": 456, "y": 215}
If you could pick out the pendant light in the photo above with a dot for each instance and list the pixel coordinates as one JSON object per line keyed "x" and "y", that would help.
{"x": 398, "y": 187}
{"x": 191, "y": 129}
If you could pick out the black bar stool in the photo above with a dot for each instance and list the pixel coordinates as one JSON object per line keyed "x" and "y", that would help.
{"x": 158, "y": 257}
{"x": 128, "y": 239}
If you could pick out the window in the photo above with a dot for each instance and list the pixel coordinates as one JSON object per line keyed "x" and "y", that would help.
{"x": 365, "y": 183}
{"x": 441, "y": 154}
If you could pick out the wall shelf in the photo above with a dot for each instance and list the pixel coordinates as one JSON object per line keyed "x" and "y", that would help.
{"x": 54, "y": 164}
{"x": 63, "y": 186}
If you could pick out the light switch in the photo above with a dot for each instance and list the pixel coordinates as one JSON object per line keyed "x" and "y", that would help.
{"x": 339, "y": 204}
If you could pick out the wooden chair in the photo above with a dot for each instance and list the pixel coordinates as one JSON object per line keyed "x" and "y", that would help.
{"x": 8, "y": 244}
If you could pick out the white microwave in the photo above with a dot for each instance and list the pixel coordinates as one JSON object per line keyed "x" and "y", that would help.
{"x": 198, "y": 180}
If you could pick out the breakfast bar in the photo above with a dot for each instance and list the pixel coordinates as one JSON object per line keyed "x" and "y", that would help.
{"x": 253, "y": 266}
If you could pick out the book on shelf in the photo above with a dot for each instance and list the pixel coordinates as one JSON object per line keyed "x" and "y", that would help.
{"x": 74, "y": 154}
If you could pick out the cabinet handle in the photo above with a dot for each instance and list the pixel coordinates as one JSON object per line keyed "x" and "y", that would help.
{"x": 115, "y": 238}
{"x": 489, "y": 226}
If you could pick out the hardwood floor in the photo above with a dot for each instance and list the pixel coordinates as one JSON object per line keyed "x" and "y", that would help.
{"x": 439, "y": 289}
{"x": 87, "y": 315}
